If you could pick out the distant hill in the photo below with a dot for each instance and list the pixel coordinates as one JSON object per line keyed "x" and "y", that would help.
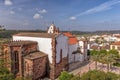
{"x": 9, "y": 33}
{"x": 95, "y": 32}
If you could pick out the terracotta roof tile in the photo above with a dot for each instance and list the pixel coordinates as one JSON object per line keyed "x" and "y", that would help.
{"x": 116, "y": 43}
{"x": 72, "y": 39}
{"x": 94, "y": 47}
{"x": 68, "y": 34}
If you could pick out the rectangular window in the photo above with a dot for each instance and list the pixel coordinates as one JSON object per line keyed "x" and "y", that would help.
{"x": 113, "y": 47}
{"x": 118, "y": 48}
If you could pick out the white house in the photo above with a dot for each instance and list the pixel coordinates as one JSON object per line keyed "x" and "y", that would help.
{"x": 73, "y": 48}
{"x": 84, "y": 46}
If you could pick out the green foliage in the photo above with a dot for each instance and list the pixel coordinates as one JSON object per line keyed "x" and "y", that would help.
{"x": 6, "y": 77}
{"x": 4, "y": 73}
{"x": 99, "y": 75}
{"x": 105, "y": 57}
{"x": 115, "y": 53}
{"x": 65, "y": 76}
{"x": 91, "y": 75}
{"x": 112, "y": 76}
{"x": 75, "y": 78}
{"x": 23, "y": 78}
{"x": 94, "y": 52}
{"x": 103, "y": 51}
{"x": 116, "y": 64}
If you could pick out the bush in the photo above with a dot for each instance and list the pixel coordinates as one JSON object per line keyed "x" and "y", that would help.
{"x": 91, "y": 75}
{"x": 116, "y": 64}
{"x": 65, "y": 76}
{"x": 99, "y": 75}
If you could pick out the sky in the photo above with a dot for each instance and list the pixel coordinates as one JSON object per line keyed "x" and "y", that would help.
{"x": 80, "y": 15}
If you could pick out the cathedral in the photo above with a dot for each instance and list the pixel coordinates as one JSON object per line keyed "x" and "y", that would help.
{"x": 36, "y": 55}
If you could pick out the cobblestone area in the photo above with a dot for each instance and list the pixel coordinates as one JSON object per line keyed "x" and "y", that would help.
{"x": 76, "y": 65}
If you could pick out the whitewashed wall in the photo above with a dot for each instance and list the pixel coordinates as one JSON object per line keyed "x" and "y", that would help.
{"x": 78, "y": 56}
{"x": 44, "y": 44}
{"x": 81, "y": 44}
{"x": 62, "y": 43}
{"x": 84, "y": 49}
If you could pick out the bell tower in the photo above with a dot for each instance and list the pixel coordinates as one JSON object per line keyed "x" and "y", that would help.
{"x": 53, "y": 29}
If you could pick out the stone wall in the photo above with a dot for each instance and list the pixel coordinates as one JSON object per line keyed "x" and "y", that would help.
{"x": 21, "y": 50}
{"x": 29, "y": 48}
{"x": 55, "y": 70}
{"x": 63, "y": 65}
{"x": 39, "y": 67}
{"x": 28, "y": 68}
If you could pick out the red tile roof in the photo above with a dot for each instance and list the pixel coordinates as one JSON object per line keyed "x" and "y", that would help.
{"x": 68, "y": 34}
{"x": 116, "y": 43}
{"x": 72, "y": 39}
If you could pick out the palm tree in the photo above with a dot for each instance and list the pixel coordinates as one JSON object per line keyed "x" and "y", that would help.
{"x": 109, "y": 58}
{"x": 95, "y": 57}
{"x": 113, "y": 54}
{"x": 102, "y": 54}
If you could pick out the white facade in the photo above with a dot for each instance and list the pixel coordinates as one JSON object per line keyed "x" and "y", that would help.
{"x": 84, "y": 48}
{"x": 74, "y": 57}
{"x": 61, "y": 47}
{"x": 44, "y": 44}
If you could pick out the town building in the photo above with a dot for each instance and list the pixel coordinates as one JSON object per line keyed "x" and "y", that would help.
{"x": 116, "y": 46}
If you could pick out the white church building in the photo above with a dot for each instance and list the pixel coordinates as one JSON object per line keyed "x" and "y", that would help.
{"x": 62, "y": 48}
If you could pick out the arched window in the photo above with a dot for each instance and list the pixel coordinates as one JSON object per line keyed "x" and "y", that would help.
{"x": 16, "y": 61}
{"x": 60, "y": 55}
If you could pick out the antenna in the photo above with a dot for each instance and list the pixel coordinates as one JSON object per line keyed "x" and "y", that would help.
{"x": 52, "y": 22}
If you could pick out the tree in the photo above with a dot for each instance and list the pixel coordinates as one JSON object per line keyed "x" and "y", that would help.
{"x": 113, "y": 55}
{"x": 66, "y": 76}
{"x": 108, "y": 57}
{"x": 94, "y": 54}
{"x": 99, "y": 75}
{"x": 4, "y": 73}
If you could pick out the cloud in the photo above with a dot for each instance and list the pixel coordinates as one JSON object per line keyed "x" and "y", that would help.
{"x": 19, "y": 8}
{"x": 37, "y": 16}
{"x": 26, "y": 23}
{"x": 12, "y": 12}
{"x": 8, "y": 2}
{"x": 102, "y": 7}
{"x": 43, "y": 11}
{"x": 72, "y": 18}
